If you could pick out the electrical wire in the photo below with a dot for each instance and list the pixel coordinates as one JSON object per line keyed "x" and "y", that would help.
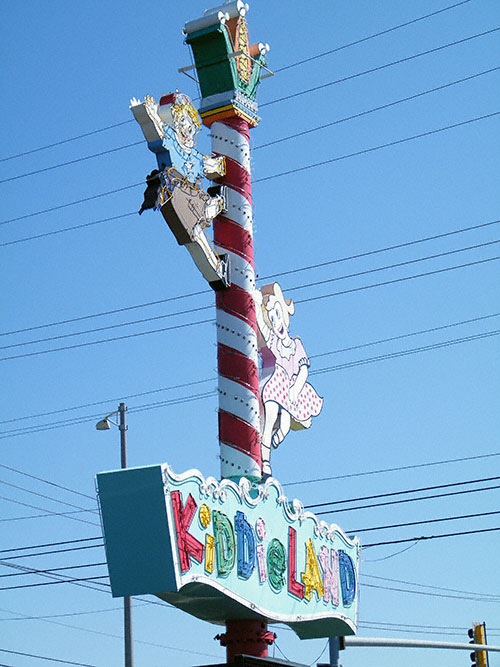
{"x": 310, "y": 166}
{"x": 365, "y": 39}
{"x": 81, "y": 420}
{"x": 418, "y": 523}
{"x": 431, "y": 537}
{"x": 110, "y": 340}
{"x": 44, "y": 657}
{"x": 276, "y": 141}
{"x": 212, "y": 379}
{"x": 42, "y": 495}
{"x": 51, "y": 570}
{"x": 109, "y": 400}
{"x": 65, "y": 141}
{"x": 390, "y": 266}
{"x": 398, "y": 493}
{"x": 380, "y": 67}
{"x": 368, "y": 253}
{"x": 374, "y": 109}
{"x": 45, "y": 481}
{"x": 39, "y": 516}
{"x": 68, "y": 229}
{"x": 288, "y": 289}
{"x": 395, "y": 280}
{"x": 364, "y": 151}
{"x": 69, "y": 162}
{"x": 392, "y": 355}
{"x": 405, "y": 353}
{"x": 473, "y": 597}
{"x": 55, "y": 551}
{"x": 403, "y": 336}
{"x": 72, "y": 203}
{"x": 53, "y": 583}
{"x": 407, "y": 500}
{"x": 380, "y": 471}
{"x": 136, "y": 641}
{"x": 44, "y": 509}
{"x": 51, "y": 544}
{"x": 281, "y": 69}
{"x": 267, "y": 277}
{"x": 434, "y": 588}
{"x": 207, "y": 321}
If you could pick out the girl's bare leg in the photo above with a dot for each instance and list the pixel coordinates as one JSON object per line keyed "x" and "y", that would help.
{"x": 271, "y": 410}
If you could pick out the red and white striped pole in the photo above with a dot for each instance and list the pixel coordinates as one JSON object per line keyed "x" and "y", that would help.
{"x": 237, "y": 352}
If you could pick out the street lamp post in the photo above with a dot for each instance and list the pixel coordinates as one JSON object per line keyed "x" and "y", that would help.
{"x": 103, "y": 425}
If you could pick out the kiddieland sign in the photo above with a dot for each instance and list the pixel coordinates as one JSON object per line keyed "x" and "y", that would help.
{"x": 221, "y": 550}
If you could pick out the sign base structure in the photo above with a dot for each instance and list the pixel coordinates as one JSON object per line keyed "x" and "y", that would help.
{"x": 223, "y": 551}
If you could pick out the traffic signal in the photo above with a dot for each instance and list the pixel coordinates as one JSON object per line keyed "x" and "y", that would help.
{"x": 478, "y": 636}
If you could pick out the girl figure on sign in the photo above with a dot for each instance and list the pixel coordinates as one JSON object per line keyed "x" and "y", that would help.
{"x": 288, "y": 400}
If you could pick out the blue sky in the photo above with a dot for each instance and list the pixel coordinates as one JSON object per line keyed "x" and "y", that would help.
{"x": 71, "y": 70}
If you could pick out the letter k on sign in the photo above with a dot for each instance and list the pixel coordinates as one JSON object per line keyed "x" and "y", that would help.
{"x": 188, "y": 545}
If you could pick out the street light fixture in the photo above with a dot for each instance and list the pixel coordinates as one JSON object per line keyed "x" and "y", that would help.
{"x": 104, "y": 425}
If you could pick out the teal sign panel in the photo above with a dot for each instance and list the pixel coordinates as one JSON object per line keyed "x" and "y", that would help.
{"x": 222, "y": 551}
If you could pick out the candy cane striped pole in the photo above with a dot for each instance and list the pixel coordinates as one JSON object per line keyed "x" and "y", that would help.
{"x": 237, "y": 353}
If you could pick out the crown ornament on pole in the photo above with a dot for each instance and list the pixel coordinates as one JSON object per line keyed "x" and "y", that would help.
{"x": 229, "y": 68}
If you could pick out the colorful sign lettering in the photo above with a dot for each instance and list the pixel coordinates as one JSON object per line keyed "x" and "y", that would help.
{"x": 218, "y": 550}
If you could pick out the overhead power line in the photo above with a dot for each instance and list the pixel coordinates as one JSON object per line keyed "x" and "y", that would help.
{"x": 89, "y": 418}
{"x": 266, "y": 178}
{"x": 474, "y": 597}
{"x": 395, "y": 280}
{"x": 46, "y": 481}
{"x": 403, "y": 492}
{"x": 434, "y": 588}
{"x": 408, "y": 500}
{"x": 405, "y": 353}
{"x": 369, "y": 37}
{"x": 270, "y": 143}
{"x": 68, "y": 229}
{"x": 207, "y": 321}
{"x": 376, "y": 148}
{"x": 402, "y": 336}
{"x": 53, "y": 583}
{"x": 185, "y": 399}
{"x": 110, "y": 340}
{"x": 72, "y": 203}
{"x": 431, "y": 537}
{"x": 44, "y": 657}
{"x": 288, "y": 289}
{"x": 110, "y": 400}
{"x": 51, "y": 544}
{"x": 65, "y": 141}
{"x": 281, "y": 69}
{"x": 44, "y": 509}
{"x": 381, "y": 67}
{"x": 69, "y": 162}
{"x": 418, "y": 523}
{"x": 212, "y": 379}
{"x": 51, "y": 498}
{"x": 380, "y": 471}
{"x": 378, "y": 108}
{"x": 52, "y": 570}
{"x": 54, "y": 551}
{"x": 266, "y": 277}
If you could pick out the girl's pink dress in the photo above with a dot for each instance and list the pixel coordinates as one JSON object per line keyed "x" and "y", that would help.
{"x": 283, "y": 363}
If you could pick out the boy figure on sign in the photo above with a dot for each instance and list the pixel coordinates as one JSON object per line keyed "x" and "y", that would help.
{"x": 288, "y": 400}
{"x": 171, "y": 128}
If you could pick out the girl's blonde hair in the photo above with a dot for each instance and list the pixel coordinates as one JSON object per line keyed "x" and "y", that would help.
{"x": 272, "y": 294}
